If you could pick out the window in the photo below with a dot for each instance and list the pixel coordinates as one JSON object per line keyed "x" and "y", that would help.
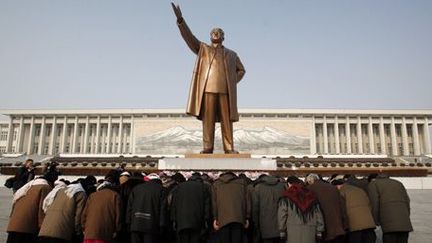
{"x": 37, "y": 131}
{"x": 57, "y": 149}
{"x": 46, "y": 149}
{"x": 2, "y": 149}
{"x": 35, "y": 147}
{"x": 3, "y": 136}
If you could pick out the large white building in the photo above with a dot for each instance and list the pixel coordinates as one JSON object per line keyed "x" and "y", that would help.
{"x": 263, "y": 131}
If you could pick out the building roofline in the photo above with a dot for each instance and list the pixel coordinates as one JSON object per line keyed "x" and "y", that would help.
{"x": 10, "y": 112}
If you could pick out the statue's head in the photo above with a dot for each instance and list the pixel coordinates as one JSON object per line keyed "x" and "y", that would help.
{"x": 217, "y": 35}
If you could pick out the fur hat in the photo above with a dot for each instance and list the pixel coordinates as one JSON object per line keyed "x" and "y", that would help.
{"x": 153, "y": 176}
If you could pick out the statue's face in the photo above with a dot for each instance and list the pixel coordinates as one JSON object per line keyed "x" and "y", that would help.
{"x": 217, "y": 35}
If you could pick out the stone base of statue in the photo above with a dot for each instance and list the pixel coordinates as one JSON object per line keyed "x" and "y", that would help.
{"x": 218, "y": 156}
{"x": 218, "y": 162}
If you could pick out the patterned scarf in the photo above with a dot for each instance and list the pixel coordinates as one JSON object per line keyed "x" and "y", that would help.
{"x": 301, "y": 200}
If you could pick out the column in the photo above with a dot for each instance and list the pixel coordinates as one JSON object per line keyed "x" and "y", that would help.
{"x": 132, "y": 136}
{"x": 405, "y": 137}
{"x": 312, "y": 142}
{"x": 348, "y": 135}
{"x": 371, "y": 137}
{"x": 31, "y": 137}
{"x": 337, "y": 140}
{"x": 20, "y": 136}
{"x": 103, "y": 140}
{"x": 359, "y": 136}
{"x": 325, "y": 135}
{"x": 64, "y": 136}
{"x": 119, "y": 149}
{"x": 382, "y": 136}
{"x": 84, "y": 150}
{"x": 92, "y": 140}
{"x": 42, "y": 137}
{"x": 393, "y": 137}
{"x": 75, "y": 136}
{"x": 426, "y": 136}
{"x": 10, "y": 136}
{"x": 98, "y": 125}
{"x": 416, "y": 138}
{"x": 51, "y": 148}
{"x": 108, "y": 148}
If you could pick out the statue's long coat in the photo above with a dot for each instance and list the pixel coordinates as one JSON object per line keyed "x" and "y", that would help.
{"x": 234, "y": 71}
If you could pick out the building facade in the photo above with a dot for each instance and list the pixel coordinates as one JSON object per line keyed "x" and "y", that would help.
{"x": 269, "y": 131}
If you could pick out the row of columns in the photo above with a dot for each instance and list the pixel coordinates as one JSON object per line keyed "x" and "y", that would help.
{"x": 393, "y": 137}
{"x": 63, "y": 141}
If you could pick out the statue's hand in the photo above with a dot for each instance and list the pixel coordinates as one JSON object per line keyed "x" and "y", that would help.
{"x": 177, "y": 11}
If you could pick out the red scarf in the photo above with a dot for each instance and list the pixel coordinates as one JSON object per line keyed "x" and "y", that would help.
{"x": 300, "y": 196}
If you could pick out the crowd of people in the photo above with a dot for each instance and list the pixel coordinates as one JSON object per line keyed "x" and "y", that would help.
{"x": 198, "y": 207}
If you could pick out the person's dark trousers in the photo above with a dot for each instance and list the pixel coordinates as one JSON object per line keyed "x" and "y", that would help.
{"x": 140, "y": 237}
{"x": 339, "y": 239}
{"x": 362, "y": 236}
{"x": 271, "y": 240}
{"x": 16, "y": 237}
{"x": 79, "y": 238}
{"x": 256, "y": 238}
{"x": 52, "y": 240}
{"x": 231, "y": 233}
{"x": 189, "y": 236}
{"x": 395, "y": 237}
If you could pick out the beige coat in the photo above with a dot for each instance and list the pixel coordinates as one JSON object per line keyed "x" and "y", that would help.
{"x": 358, "y": 208}
{"x": 63, "y": 218}
{"x": 27, "y": 214}
{"x": 205, "y": 54}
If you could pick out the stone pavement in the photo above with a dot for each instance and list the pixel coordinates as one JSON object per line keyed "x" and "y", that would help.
{"x": 421, "y": 214}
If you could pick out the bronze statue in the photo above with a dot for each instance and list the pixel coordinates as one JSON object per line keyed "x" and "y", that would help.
{"x": 213, "y": 90}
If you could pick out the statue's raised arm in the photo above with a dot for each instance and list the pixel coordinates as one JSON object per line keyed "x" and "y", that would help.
{"x": 190, "y": 39}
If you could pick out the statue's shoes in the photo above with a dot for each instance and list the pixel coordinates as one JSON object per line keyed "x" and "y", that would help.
{"x": 231, "y": 152}
{"x": 207, "y": 151}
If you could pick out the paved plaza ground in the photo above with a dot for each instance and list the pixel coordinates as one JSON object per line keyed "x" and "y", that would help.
{"x": 421, "y": 214}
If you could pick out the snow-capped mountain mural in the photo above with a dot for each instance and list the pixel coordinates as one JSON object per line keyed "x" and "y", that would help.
{"x": 266, "y": 140}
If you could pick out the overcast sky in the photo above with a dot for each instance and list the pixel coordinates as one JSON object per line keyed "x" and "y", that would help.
{"x": 298, "y": 54}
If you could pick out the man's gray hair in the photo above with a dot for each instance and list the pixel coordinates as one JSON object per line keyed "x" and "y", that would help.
{"x": 311, "y": 178}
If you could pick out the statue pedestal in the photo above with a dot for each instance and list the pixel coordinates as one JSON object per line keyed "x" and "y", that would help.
{"x": 217, "y": 156}
{"x": 218, "y": 162}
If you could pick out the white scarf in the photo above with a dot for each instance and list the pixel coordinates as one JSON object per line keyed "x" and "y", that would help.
{"x": 24, "y": 189}
{"x": 103, "y": 185}
{"x": 49, "y": 199}
{"x": 72, "y": 189}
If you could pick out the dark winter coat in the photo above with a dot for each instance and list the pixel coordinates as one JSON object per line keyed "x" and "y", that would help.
{"x": 190, "y": 206}
{"x": 265, "y": 206}
{"x": 332, "y": 207}
{"x": 390, "y": 205}
{"x": 145, "y": 210}
{"x": 299, "y": 228}
{"x": 22, "y": 176}
{"x": 101, "y": 218}
{"x": 230, "y": 200}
